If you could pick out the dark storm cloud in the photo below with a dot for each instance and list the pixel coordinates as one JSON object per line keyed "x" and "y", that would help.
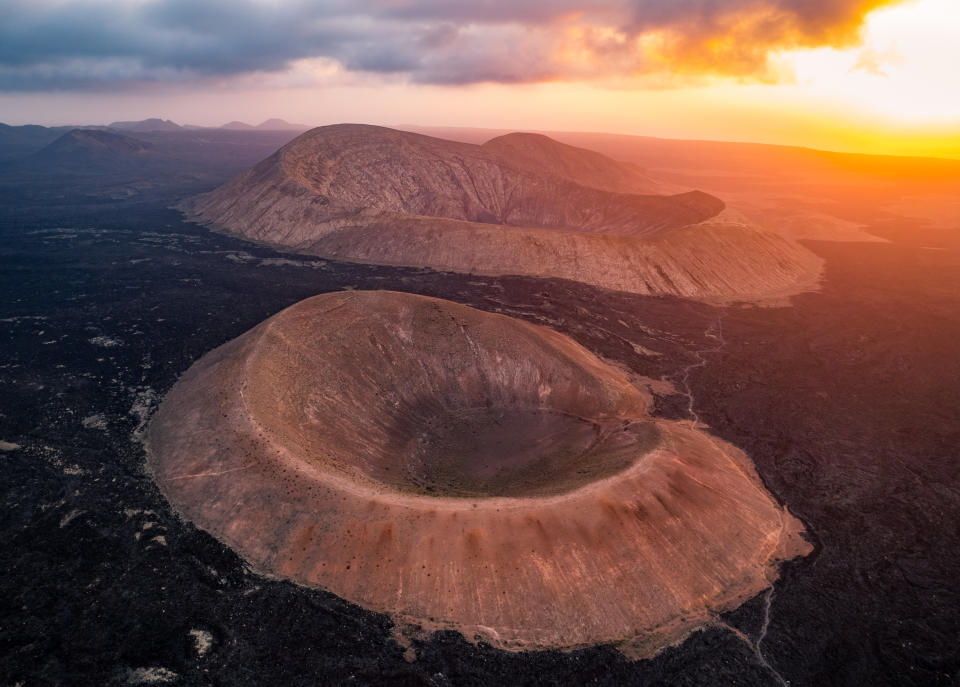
{"x": 46, "y": 44}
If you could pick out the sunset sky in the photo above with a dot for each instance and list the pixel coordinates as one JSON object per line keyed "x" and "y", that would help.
{"x": 862, "y": 75}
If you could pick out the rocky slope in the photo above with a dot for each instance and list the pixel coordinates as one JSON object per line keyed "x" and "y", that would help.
{"x": 518, "y": 204}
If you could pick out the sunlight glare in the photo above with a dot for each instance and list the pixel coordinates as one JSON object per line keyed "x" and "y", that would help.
{"x": 905, "y": 72}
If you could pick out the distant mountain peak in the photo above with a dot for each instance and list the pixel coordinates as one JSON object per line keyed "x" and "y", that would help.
{"x": 94, "y": 151}
{"x": 97, "y": 140}
{"x": 151, "y": 124}
{"x": 276, "y": 124}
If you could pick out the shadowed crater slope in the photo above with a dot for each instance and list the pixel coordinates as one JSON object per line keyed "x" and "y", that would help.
{"x": 464, "y": 470}
{"x": 518, "y": 204}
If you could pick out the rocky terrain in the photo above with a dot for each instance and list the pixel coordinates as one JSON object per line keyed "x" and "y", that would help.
{"x": 845, "y": 402}
{"x": 518, "y": 204}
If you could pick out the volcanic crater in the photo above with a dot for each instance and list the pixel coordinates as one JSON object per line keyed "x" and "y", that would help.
{"x": 520, "y": 204}
{"x": 464, "y": 470}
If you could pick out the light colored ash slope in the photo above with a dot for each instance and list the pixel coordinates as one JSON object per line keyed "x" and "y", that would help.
{"x": 519, "y": 204}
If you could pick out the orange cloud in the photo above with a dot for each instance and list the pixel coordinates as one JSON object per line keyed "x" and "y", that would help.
{"x": 55, "y": 44}
{"x": 726, "y": 39}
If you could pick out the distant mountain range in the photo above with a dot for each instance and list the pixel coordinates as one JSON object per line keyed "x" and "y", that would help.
{"x": 19, "y": 141}
{"x": 103, "y": 162}
{"x": 156, "y": 124}
{"x": 269, "y": 125}
{"x": 153, "y": 124}
{"x": 225, "y": 147}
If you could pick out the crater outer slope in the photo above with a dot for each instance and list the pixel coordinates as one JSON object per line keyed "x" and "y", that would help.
{"x": 519, "y": 204}
{"x": 463, "y": 470}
